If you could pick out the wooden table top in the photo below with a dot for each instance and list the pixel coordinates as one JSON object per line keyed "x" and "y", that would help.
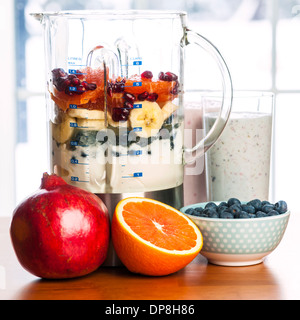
{"x": 277, "y": 278}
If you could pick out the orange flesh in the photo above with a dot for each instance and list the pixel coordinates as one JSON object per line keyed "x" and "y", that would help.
{"x": 94, "y": 99}
{"x": 162, "y": 88}
{"x": 86, "y": 99}
{"x": 156, "y": 224}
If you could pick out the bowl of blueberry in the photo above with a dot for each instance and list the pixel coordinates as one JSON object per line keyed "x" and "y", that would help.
{"x": 237, "y": 233}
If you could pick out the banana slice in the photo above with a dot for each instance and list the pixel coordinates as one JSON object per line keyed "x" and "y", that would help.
{"x": 168, "y": 108}
{"x": 90, "y": 124}
{"x": 146, "y": 121}
{"x": 86, "y": 114}
{"x": 62, "y": 132}
{"x": 113, "y": 123}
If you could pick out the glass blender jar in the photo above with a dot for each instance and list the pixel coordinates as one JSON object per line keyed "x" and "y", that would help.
{"x": 115, "y": 100}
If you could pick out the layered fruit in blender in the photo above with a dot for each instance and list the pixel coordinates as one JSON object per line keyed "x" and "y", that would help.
{"x": 116, "y": 135}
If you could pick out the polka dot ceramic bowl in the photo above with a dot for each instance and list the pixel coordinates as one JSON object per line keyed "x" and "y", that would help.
{"x": 239, "y": 242}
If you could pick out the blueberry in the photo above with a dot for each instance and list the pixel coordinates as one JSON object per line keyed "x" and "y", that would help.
{"x": 234, "y": 209}
{"x": 252, "y": 215}
{"x": 248, "y": 208}
{"x": 203, "y": 214}
{"x": 189, "y": 211}
{"x": 242, "y": 215}
{"x": 281, "y": 206}
{"x": 260, "y": 214}
{"x": 232, "y": 201}
{"x": 265, "y": 202}
{"x": 195, "y": 213}
{"x": 199, "y": 209}
{"x": 209, "y": 211}
{"x": 256, "y": 203}
{"x": 211, "y": 205}
{"x": 199, "y": 212}
{"x": 267, "y": 208}
{"x": 272, "y": 213}
{"x": 222, "y": 204}
{"x": 226, "y": 215}
{"x": 222, "y": 208}
{"x": 213, "y": 213}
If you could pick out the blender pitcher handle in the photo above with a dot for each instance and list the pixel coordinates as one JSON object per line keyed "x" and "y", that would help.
{"x": 191, "y": 154}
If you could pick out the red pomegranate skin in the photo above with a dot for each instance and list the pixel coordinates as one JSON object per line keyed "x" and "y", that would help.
{"x": 60, "y": 231}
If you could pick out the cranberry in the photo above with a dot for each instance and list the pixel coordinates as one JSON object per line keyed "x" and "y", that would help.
{"x": 75, "y": 82}
{"x": 61, "y": 83}
{"x": 161, "y": 76}
{"x": 152, "y": 97}
{"x": 147, "y": 75}
{"x": 143, "y": 96}
{"x": 58, "y": 73}
{"x": 85, "y": 84}
{"x": 128, "y": 105}
{"x": 168, "y": 76}
{"x": 66, "y": 83}
{"x": 120, "y": 114}
{"x": 129, "y": 97}
{"x": 118, "y": 86}
{"x": 80, "y": 89}
{"x": 171, "y": 76}
{"x": 72, "y": 76}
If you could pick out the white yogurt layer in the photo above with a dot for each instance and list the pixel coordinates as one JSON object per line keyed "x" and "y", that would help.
{"x": 239, "y": 162}
{"x": 109, "y": 168}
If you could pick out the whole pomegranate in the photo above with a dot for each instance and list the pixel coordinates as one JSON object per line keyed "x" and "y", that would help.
{"x": 60, "y": 231}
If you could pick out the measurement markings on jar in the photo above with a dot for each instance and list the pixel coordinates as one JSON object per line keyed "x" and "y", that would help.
{"x": 74, "y": 64}
{"x": 75, "y": 161}
{"x": 135, "y": 84}
{"x": 74, "y": 71}
{"x": 134, "y": 63}
{"x": 76, "y": 179}
{"x": 75, "y": 61}
{"x": 134, "y": 175}
{"x": 75, "y": 125}
{"x": 75, "y": 106}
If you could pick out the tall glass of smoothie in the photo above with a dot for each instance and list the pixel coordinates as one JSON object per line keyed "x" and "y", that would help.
{"x": 238, "y": 165}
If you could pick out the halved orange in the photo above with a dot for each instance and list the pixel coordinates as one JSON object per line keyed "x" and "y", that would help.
{"x": 152, "y": 238}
